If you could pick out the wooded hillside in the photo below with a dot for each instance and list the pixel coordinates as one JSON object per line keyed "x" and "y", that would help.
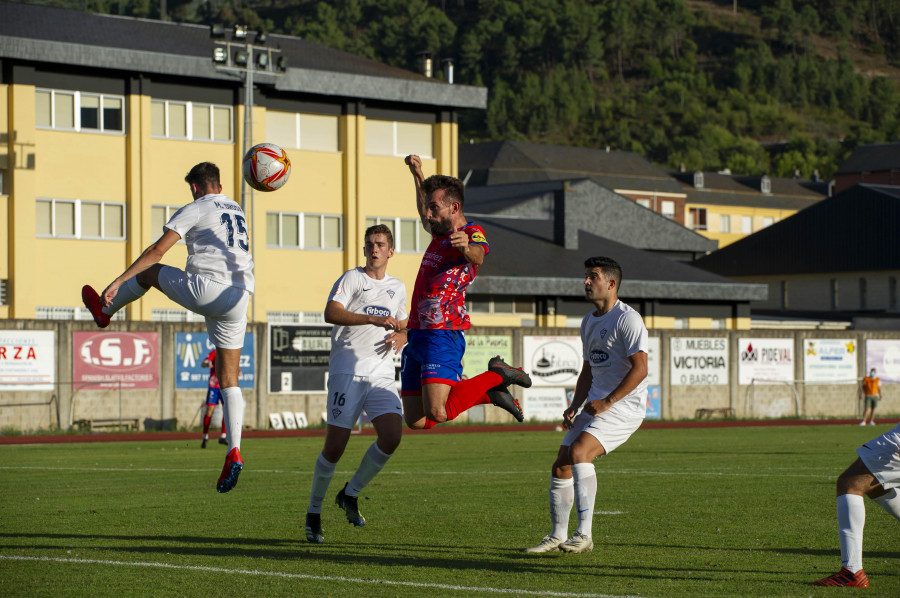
{"x": 753, "y": 86}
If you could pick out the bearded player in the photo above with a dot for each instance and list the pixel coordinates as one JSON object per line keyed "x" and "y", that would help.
{"x": 431, "y": 372}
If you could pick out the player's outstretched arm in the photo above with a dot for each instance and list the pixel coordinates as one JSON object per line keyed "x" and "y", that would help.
{"x": 336, "y": 313}
{"x": 151, "y": 255}
{"x": 415, "y": 167}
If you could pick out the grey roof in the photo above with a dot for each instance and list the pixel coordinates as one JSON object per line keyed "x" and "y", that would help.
{"x": 502, "y": 162}
{"x": 556, "y": 210}
{"x": 875, "y": 157}
{"x": 853, "y": 231}
{"x": 530, "y": 265}
{"x": 73, "y": 37}
{"x": 739, "y": 190}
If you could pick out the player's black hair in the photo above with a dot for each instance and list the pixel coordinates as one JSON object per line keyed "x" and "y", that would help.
{"x": 610, "y": 268}
{"x": 203, "y": 175}
{"x": 454, "y": 189}
{"x": 377, "y": 229}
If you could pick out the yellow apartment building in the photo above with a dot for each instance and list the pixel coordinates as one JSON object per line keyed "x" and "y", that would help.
{"x": 101, "y": 117}
{"x": 727, "y": 208}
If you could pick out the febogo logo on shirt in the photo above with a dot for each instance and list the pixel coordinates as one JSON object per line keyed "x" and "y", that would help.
{"x": 374, "y": 310}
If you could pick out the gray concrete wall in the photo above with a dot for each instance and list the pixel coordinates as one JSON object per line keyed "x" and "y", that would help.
{"x": 167, "y": 407}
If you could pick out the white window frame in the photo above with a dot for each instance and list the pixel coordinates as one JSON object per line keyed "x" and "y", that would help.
{"x": 77, "y": 108}
{"x": 78, "y": 203}
{"x": 667, "y": 203}
{"x": 397, "y": 154}
{"x": 694, "y": 224}
{"x": 189, "y": 120}
{"x": 302, "y": 231}
{"x": 422, "y": 239}
{"x": 170, "y": 211}
{"x": 746, "y": 225}
{"x": 491, "y": 304}
{"x": 726, "y": 220}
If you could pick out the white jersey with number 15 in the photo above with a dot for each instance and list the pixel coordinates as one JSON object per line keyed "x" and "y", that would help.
{"x": 218, "y": 242}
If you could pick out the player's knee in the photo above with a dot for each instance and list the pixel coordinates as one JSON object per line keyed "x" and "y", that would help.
{"x": 561, "y": 470}
{"x": 436, "y": 414}
{"x": 414, "y": 424}
{"x": 332, "y": 454}
{"x": 388, "y": 443}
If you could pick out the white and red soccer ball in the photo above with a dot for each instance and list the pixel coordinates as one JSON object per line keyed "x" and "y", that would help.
{"x": 266, "y": 167}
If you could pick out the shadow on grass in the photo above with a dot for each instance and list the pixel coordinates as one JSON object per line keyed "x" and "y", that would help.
{"x": 426, "y": 556}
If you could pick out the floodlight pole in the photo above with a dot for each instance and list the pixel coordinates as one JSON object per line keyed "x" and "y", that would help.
{"x": 245, "y": 72}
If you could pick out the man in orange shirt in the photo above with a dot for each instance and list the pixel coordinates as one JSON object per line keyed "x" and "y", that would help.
{"x": 872, "y": 393}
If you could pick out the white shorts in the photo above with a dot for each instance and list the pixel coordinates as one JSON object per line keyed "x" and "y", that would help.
{"x": 223, "y": 306}
{"x": 610, "y": 428}
{"x": 881, "y": 456}
{"x": 348, "y": 395}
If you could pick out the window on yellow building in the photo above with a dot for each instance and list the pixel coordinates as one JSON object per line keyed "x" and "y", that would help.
{"x": 67, "y": 218}
{"x": 746, "y": 225}
{"x": 392, "y": 138}
{"x": 190, "y": 120}
{"x": 303, "y": 231}
{"x": 313, "y": 132}
{"x": 409, "y": 236}
{"x": 78, "y": 111}
{"x": 725, "y": 223}
{"x": 698, "y": 218}
{"x": 500, "y": 305}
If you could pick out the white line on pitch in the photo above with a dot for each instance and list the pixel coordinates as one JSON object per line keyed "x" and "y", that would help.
{"x": 379, "y": 582}
{"x": 742, "y": 474}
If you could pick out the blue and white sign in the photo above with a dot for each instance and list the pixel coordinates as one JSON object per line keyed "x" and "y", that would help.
{"x": 654, "y": 395}
{"x": 829, "y": 360}
{"x": 191, "y": 348}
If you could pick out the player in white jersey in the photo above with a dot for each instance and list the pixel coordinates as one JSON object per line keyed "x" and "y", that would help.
{"x": 612, "y": 387}
{"x": 216, "y": 283}
{"x": 367, "y": 308}
{"x": 876, "y": 474}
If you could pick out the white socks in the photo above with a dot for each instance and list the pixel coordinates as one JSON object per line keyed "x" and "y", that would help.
{"x": 562, "y": 497}
{"x": 233, "y": 412}
{"x": 128, "y": 292}
{"x": 585, "y": 495}
{"x": 372, "y": 462}
{"x": 890, "y": 502}
{"x": 322, "y": 475}
{"x": 851, "y": 516}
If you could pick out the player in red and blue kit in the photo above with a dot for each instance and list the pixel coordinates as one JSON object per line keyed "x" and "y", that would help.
{"x": 431, "y": 372}
{"x": 213, "y": 398}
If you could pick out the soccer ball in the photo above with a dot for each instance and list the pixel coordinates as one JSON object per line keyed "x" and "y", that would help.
{"x": 266, "y": 167}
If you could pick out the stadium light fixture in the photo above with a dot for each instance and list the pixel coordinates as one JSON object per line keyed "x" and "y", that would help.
{"x": 241, "y": 58}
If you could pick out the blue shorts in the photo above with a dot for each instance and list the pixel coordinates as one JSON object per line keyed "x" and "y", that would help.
{"x": 213, "y": 396}
{"x": 431, "y": 356}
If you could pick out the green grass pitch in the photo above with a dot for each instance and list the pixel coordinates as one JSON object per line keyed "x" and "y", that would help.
{"x": 687, "y": 512}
